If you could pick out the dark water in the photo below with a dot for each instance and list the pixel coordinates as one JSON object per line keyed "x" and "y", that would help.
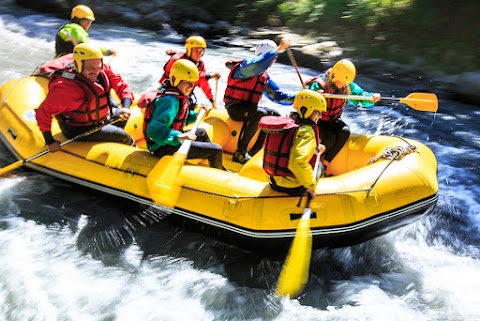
{"x": 68, "y": 253}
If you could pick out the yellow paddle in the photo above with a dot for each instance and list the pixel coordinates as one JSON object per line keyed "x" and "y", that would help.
{"x": 21, "y": 162}
{"x": 162, "y": 181}
{"x": 295, "y": 270}
{"x": 418, "y": 101}
{"x": 294, "y": 274}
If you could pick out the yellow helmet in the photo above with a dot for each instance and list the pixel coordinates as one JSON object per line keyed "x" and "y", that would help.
{"x": 82, "y": 12}
{"x": 85, "y": 51}
{"x": 306, "y": 101}
{"x": 183, "y": 69}
{"x": 194, "y": 42}
{"x": 344, "y": 70}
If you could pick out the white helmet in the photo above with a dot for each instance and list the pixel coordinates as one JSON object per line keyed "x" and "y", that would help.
{"x": 264, "y": 46}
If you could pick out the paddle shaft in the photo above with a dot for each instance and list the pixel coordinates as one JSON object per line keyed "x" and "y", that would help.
{"x": 163, "y": 180}
{"x": 216, "y": 91}
{"x": 418, "y": 101}
{"x": 185, "y": 147}
{"x": 356, "y": 97}
{"x": 21, "y": 162}
{"x": 294, "y": 274}
{"x": 294, "y": 63}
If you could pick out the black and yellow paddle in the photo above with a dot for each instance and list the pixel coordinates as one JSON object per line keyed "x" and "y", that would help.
{"x": 418, "y": 101}
{"x": 295, "y": 270}
{"x": 163, "y": 180}
{"x": 22, "y": 162}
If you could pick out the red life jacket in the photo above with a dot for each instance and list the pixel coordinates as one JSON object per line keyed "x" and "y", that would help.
{"x": 280, "y": 133}
{"x": 63, "y": 62}
{"x": 146, "y": 101}
{"x": 245, "y": 90}
{"x": 95, "y": 109}
{"x": 181, "y": 55}
{"x": 334, "y": 106}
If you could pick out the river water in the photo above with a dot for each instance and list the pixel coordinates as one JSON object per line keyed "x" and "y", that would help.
{"x": 67, "y": 253}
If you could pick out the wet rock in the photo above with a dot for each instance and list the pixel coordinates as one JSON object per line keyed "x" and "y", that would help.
{"x": 165, "y": 17}
{"x": 466, "y": 87}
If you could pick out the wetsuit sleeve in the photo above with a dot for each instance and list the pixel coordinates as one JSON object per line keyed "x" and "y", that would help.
{"x": 255, "y": 66}
{"x": 192, "y": 117}
{"x": 121, "y": 88}
{"x": 63, "y": 96}
{"x": 358, "y": 91}
{"x": 164, "y": 111}
{"x": 314, "y": 86}
{"x": 205, "y": 86}
{"x": 301, "y": 152}
{"x": 273, "y": 92}
{"x": 74, "y": 33}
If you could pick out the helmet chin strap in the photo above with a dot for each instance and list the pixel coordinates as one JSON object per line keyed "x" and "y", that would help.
{"x": 303, "y": 111}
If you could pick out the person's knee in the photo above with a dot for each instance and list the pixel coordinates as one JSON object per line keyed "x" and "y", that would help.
{"x": 257, "y": 116}
{"x": 129, "y": 141}
{"x": 201, "y": 134}
{"x": 125, "y": 138}
{"x": 217, "y": 149}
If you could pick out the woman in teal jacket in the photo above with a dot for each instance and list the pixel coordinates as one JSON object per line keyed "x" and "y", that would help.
{"x": 338, "y": 80}
{"x": 167, "y": 114}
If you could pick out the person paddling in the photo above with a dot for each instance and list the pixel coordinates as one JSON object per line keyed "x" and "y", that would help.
{"x": 195, "y": 47}
{"x": 75, "y": 32}
{"x": 247, "y": 82}
{"x": 338, "y": 80}
{"x": 79, "y": 99}
{"x": 291, "y": 152}
{"x": 168, "y": 111}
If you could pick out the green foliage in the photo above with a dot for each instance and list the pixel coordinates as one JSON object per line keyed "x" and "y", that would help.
{"x": 426, "y": 31}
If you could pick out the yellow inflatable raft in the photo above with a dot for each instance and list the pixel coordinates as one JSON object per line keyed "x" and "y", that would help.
{"x": 379, "y": 183}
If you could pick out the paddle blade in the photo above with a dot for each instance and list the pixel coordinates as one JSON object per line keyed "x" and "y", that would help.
{"x": 162, "y": 181}
{"x": 421, "y": 101}
{"x": 11, "y": 167}
{"x": 294, "y": 274}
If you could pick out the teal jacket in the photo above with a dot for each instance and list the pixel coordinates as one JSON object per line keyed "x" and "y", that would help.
{"x": 354, "y": 89}
{"x": 160, "y": 130}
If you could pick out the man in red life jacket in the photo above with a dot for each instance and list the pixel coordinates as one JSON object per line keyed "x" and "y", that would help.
{"x": 167, "y": 111}
{"x": 195, "y": 47}
{"x": 79, "y": 99}
{"x": 290, "y": 155}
